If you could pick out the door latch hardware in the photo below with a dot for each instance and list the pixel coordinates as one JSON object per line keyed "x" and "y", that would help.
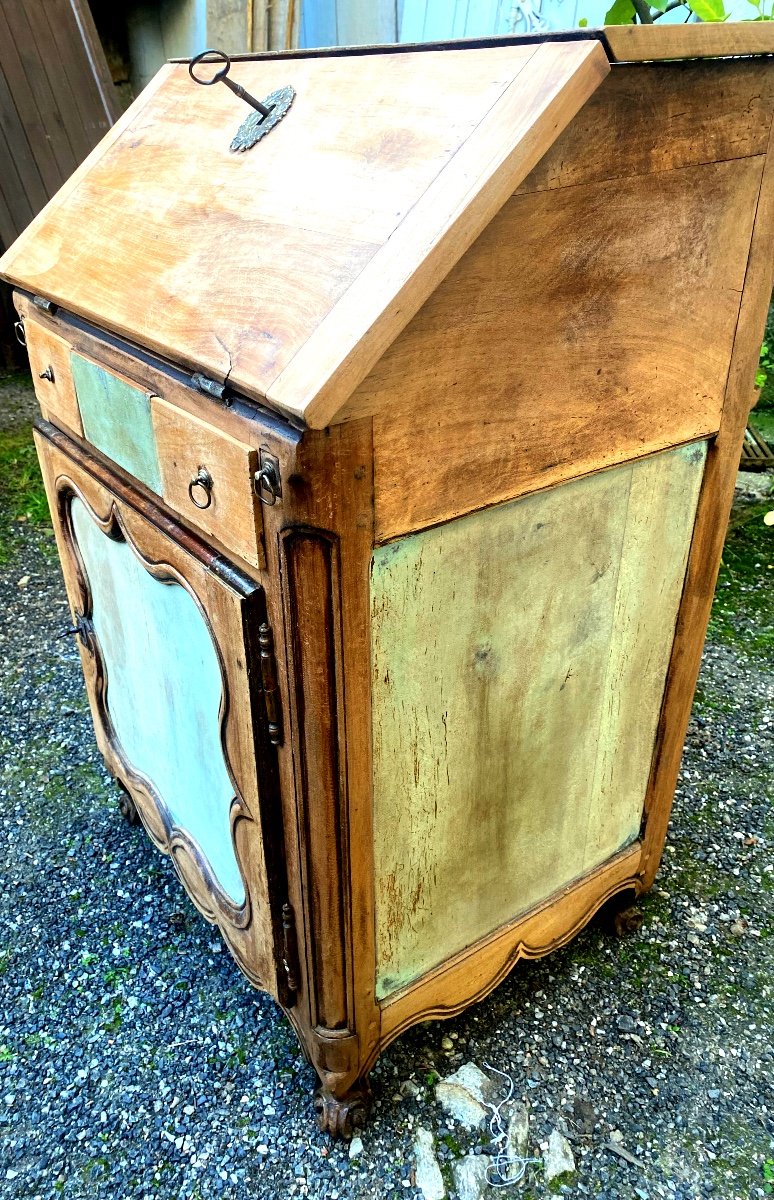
{"x": 290, "y": 948}
{"x": 18, "y": 329}
{"x": 268, "y": 483}
{"x": 271, "y": 690}
{"x": 47, "y": 374}
{"x": 83, "y": 629}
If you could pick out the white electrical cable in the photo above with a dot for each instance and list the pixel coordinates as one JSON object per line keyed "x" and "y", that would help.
{"x": 505, "y": 1169}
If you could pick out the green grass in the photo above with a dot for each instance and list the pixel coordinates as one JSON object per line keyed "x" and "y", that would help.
{"x": 743, "y": 612}
{"x": 22, "y": 496}
{"x": 766, "y": 402}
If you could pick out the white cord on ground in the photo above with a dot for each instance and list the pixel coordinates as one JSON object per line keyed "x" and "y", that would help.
{"x": 505, "y": 1169}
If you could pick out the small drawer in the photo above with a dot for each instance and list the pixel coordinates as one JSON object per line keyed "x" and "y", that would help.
{"x": 208, "y": 477}
{"x": 49, "y": 357}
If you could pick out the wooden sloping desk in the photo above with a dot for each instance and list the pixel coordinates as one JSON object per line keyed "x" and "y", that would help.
{"x": 390, "y": 462}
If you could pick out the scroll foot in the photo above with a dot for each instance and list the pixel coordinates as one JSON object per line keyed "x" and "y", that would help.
{"x": 343, "y": 1116}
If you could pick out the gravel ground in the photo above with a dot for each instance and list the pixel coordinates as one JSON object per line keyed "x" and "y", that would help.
{"x": 135, "y": 1061}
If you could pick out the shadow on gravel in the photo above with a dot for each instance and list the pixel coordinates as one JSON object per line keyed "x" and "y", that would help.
{"x": 137, "y": 1062}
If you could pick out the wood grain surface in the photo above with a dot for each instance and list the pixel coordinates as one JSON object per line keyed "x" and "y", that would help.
{"x": 49, "y": 355}
{"x": 552, "y": 86}
{"x": 518, "y": 664}
{"x": 711, "y": 523}
{"x": 186, "y": 446}
{"x": 229, "y": 263}
{"x": 651, "y": 43}
{"x": 541, "y": 356}
{"x": 641, "y": 121}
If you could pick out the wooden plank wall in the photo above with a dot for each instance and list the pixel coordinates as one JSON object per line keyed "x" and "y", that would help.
{"x": 56, "y": 102}
{"x": 348, "y": 23}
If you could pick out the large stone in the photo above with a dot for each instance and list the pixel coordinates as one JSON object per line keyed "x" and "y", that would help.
{"x": 427, "y": 1172}
{"x": 518, "y": 1131}
{"x": 463, "y": 1095}
{"x": 470, "y": 1176}
{"x": 558, "y": 1159}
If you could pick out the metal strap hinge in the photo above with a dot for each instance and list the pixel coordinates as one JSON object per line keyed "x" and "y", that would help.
{"x": 269, "y": 681}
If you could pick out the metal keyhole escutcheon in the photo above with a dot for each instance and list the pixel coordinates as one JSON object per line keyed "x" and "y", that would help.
{"x": 268, "y": 112}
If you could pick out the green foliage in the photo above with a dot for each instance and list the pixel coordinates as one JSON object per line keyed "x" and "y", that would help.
{"x": 764, "y": 378}
{"x": 22, "y": 497}
{"x": 743, "y": 612}
{"x": 647, "y": 12}
{"x": 623, "y": 12}
{"x": 768, "y": 1176}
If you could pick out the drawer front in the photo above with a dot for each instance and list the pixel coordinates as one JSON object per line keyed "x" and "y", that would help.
{"x": 203, "y": 473}
{"x": 49, "y": 357}
{"x": 116, "y": 416}
{"x": 208, "y": 477}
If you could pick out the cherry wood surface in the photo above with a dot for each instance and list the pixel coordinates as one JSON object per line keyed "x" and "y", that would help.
{"x": 583, "y": 293}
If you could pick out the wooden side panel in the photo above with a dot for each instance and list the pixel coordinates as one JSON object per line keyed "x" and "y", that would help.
{"x": 576, "y": 333}
{"x": 116, "y": 417}
{"x": 642, "y": 120}
{"x": 50, "y": 365}
{"x": 518, "y": 656}
{"x": 188, "y": 446}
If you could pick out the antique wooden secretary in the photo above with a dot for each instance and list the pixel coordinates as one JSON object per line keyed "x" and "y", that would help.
{"x": 390, "y": 455}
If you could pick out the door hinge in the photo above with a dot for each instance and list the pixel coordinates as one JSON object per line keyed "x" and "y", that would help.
{"x": 290, "y": 948}
{"x": 45, "y": 305}
{"x": 269, "y": 681}
{"x": 211, "y": 387}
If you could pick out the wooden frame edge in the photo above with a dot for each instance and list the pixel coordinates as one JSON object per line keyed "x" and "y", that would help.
{"x": 462, "y": 980}
{"x": 710, "y": 527}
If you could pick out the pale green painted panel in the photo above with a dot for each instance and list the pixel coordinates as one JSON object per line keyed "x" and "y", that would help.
{"x": 508, "y": 647}
{"x": 117, "y": 420}
{"x": 164, "y": 692}
{"x": 662, "y": 507}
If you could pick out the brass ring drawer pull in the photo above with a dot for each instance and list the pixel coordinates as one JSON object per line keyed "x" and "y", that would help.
{"x": 200, "y": 489}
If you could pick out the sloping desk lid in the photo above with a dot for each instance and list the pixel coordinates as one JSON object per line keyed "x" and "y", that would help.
{"x": 287, "y": 270}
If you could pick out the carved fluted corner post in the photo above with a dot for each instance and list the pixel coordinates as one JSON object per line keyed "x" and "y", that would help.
{"x": 311, "y": 567}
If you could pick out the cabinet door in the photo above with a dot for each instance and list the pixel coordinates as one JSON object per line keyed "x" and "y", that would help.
{"x": 169, "y": 635}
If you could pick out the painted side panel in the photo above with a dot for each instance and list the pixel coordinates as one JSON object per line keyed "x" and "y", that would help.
{"x": 116, "y": 419}
{"x": 519, "y": 656}
{"x": 164, "y": 691}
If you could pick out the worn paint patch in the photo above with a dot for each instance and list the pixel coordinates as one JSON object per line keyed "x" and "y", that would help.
{"x": 116, "y": 418}
{"x": 519, "y": 657}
